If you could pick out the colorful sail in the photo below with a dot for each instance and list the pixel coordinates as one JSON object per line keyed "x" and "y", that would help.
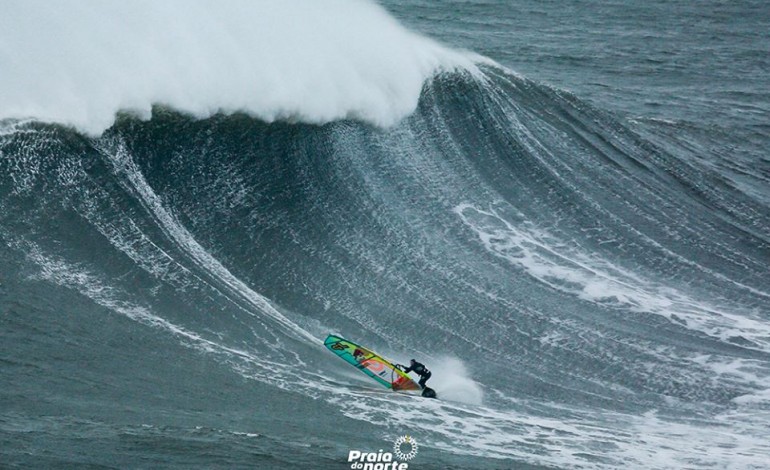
{"x": 371, "y": 364}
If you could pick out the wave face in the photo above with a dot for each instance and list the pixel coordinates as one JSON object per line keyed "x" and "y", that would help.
{"x": 589, "y": 291}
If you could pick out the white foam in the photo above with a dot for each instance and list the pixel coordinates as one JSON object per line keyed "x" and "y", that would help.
{"x": 78, "y": 62}
{"x": 566, "y": 267}
{"x": 453, "y": 382}
{"x": 761, "y": 397}
{"x": 754, "y": 373}
{"x": 568, "y": 437}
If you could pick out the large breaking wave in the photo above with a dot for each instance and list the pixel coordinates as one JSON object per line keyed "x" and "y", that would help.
{"x": 574, "y": 267}
{"x": 79, "y": 62}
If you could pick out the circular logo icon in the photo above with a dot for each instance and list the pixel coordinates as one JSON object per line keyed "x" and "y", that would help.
{"x": 397, "y": 448}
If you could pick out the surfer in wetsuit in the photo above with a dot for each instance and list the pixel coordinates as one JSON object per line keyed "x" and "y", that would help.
{"x": 420, "y": 370}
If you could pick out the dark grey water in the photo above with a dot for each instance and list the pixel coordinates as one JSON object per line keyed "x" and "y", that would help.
{"x": 575, "y": 241}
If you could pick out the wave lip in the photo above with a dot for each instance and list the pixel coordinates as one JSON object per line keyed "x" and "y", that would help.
{"x": 79, "y": 62}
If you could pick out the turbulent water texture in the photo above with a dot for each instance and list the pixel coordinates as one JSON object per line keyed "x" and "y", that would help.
{"x": 585, "y": 274}
{"x": 79, "y": 62}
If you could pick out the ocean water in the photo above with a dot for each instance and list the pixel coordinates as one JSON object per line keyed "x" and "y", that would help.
{"x": 561, "y": 208}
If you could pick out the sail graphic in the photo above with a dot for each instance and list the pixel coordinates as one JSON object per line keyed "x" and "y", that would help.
{"x": 371, "y": 364}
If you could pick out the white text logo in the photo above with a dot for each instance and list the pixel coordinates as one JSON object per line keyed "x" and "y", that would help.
{"x": 405, "y": 448}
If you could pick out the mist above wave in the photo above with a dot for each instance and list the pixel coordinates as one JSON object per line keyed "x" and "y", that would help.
{"x": 78, "y": 62}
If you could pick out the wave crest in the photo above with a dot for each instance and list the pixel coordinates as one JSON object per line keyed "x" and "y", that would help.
{"x": 79, "y": 62}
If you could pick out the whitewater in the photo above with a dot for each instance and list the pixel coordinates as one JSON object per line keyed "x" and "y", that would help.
{"x": 306, "y": 61}
{"x": 563, "y": 210}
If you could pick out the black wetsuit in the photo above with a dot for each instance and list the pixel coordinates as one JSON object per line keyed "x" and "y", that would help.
{"x": 420, "y": 370}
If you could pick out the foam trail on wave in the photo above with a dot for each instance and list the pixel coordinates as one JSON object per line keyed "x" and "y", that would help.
{"x": 176, "y": 232}
{"x": 572, "y": 270}
{"x": 79, "y": 62}
{"x": 262, "y": 366}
